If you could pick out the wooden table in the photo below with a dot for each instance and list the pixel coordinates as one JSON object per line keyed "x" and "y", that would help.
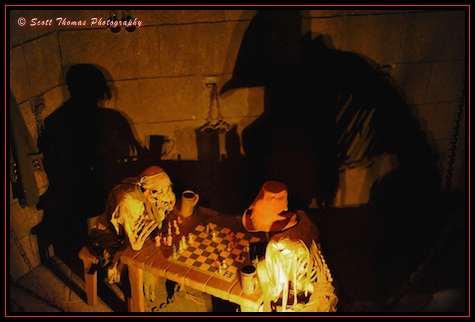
{"x": 154, "y": 259}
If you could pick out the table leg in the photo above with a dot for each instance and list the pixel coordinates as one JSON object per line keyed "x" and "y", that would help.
{"x": 250, "y": 308}
{"x": 137, "y": 303}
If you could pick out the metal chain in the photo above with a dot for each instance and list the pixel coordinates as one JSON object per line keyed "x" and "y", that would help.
{"x": 209, "y": 119}
{"x": 33, "y": 273}
{"x": 453, "y": 148}
{"x": 219, "y": 125}
{"x": 449, "y": 229}
{"x": 216, "y": 98}
{"x": 37, "y": 112}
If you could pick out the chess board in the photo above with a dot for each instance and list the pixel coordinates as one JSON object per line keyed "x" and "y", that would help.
{"x": 206, "y": 253}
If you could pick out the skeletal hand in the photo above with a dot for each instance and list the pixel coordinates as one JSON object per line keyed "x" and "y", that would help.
{"x": 145, "y": 230}
{"x": 113, "y": 274}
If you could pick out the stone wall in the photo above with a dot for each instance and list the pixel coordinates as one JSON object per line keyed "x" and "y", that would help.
{"x": 158, "y": 74}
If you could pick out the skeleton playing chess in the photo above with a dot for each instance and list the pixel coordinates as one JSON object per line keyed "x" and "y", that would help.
{"x": 293, "y": 273}
{"x": 295, "y": 278}
{"x": 134, "y": 209}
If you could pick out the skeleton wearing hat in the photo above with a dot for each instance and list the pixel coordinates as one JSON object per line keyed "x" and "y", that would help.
{"x": 292, "y": 271}
{"x": 270, "y": 210}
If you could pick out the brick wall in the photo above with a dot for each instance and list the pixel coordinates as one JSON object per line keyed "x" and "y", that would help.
{"x": 158, "y": 75}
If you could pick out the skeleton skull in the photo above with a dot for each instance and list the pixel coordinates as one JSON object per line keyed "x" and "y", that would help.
{"x": 290, "y": 268}
{"x": 163, "y": 196}
{"x": 158, "y": 190}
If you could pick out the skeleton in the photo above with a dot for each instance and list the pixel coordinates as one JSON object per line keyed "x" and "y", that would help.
{"x": 137, "y": 225}
{"x": 128, "y": 213}
{"x": 158, "y": 191}
{"x": 138, "y": 205}
{"x": 290, "y": 263}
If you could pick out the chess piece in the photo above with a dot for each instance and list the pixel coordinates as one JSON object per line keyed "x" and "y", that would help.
{"x": 169, "y": 240}
{"x": 232, "y": 243}
{"x": 174, "y": 255}
{"x": 191, "y": 238}
{"x": 177, "y": 231}
{"x": 183, "y": 241}
{"x": 158, "y": 241}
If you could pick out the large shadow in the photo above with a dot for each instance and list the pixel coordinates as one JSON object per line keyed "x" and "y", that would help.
{"x": 327, "y": 109}
{"x": 84, "y": 146}
{"x": 324, "y": 109}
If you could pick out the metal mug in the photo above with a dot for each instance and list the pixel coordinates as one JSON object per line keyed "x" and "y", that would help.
{"x": 189, "y": 199}
{"x": 160, "y": 146}
{"x": 249, "y": 280}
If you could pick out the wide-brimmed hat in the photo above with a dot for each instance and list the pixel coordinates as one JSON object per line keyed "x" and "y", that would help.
{"x": 270, "y": 210}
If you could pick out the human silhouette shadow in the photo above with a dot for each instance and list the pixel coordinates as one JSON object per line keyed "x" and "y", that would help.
{"x": 84, "y": 146}
{"x": 326, "y": 109}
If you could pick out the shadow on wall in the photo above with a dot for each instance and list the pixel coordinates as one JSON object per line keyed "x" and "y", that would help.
{"x": 325, "y": 109}
{"x": 83, "y": 146}
{"x": 221, "y": 178}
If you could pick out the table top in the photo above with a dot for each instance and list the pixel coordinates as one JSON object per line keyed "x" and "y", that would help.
{"x": 158, "y": 261}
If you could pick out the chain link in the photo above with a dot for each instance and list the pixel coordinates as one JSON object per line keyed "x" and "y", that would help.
{"x": 216, "y": 98}
{"x": 449, "y": 229}
{"x": 37, "y": 112}
{"x": 458, "y": 118}
{"x": 217, "y": 124}
{"x": 209, "y": 119}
